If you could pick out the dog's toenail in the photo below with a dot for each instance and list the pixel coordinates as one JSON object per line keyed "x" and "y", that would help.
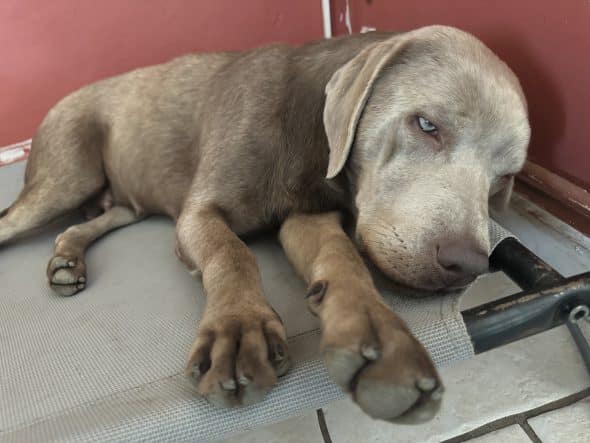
{"x": 436, "y": 395}
{"x": 80, "y": 286}
{"x": 317, "y": 290}
{"x": 82, "y": 280}
{"x": 71, "y": 264}
{"x": 279, "y": 353}
{"x": 370, "y": 352}
{"x": 229, "y": 385}
{"x": 426, "y": 384}
{"x": 243, "y": 380}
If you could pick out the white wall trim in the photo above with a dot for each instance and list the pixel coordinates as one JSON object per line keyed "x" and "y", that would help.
{"x": 327, "y": 19}
{"x": 347, "y": 20}
{"x": 15, "y": 152}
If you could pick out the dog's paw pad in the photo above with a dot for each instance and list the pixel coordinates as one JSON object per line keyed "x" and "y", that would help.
{"x": 66, "y": 275}
{"x": 386, "y": 370}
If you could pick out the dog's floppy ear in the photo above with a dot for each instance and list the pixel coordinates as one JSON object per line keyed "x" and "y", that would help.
{"x": 501, "y": 198}
{"x": 347, "y": 93}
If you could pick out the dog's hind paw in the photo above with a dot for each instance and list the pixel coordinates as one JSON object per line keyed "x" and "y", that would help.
{"x": 67, "y": 275}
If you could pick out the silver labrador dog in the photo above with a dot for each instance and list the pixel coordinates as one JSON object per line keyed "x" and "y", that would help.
{"x": 411, "y": 133}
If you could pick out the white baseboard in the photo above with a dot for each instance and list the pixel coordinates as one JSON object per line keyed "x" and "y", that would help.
{"x": 14, "y": 153}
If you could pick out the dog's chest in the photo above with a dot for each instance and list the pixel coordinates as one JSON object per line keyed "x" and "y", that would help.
{"x": 272, "y": 201}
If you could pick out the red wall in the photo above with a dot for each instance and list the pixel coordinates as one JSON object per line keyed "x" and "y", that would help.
{"x": 51, "y": 47}
{"x": 546, "y": 42}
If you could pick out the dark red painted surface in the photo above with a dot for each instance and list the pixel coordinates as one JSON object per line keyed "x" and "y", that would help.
{"x": 49, "y": 48}
{"x": 546, "y": 42}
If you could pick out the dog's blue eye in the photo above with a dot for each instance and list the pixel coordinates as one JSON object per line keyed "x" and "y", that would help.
{"x": 426, "y": 126}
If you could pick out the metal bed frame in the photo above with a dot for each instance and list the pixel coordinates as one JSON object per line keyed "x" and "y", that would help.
{"x": 547, "y": 300}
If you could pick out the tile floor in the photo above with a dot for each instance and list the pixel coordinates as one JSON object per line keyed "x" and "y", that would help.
{"x": 536, "y": 389}
{"x": 569, "y": 424}
{"x": 511, "y": 434}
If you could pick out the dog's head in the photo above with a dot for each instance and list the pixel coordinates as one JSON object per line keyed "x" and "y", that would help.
{"x": 429, "y": 126}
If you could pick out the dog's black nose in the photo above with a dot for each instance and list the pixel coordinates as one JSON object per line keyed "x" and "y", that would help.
{"x": 461, "y": 262}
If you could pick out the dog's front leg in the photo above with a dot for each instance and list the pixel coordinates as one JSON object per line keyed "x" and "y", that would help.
{"x": 240, "y": 347}
{"x": 368, "y": 350}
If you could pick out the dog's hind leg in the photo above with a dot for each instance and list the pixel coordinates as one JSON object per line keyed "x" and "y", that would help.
{"x": 38, "y": 205}
{"x": 34, "y": 208}
{"x": 63, "y": 171}
{"x": 66, "y": 271}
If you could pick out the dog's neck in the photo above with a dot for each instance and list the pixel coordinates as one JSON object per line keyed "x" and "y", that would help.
{"x": 313, "y": 65}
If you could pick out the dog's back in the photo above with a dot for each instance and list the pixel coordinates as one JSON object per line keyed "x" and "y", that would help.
{"x": 144, "y": 133}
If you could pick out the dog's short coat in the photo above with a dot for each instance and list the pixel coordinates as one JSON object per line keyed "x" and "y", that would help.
{"x": 410, "y": 133}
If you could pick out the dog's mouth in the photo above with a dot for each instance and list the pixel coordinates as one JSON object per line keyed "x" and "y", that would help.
{"x": 406, "y": 290}
{"x": 431, "y": 287}
{"x": 416, "y": 292}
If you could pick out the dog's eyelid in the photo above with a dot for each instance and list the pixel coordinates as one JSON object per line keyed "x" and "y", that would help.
{"x": 426, "y": 125}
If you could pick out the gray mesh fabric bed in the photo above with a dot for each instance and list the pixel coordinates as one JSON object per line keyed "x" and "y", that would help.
{"x": 107, "y": 364}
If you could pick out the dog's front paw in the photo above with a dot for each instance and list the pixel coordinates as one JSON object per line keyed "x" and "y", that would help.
{"x": 237, "y": 356}
{"x": 370, "y": 353}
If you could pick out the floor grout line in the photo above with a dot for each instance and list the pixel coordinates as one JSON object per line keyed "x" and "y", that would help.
{"x": 530, "y": 432}
{"x": 520, "y": 418}
{"x": 323, "y": 426}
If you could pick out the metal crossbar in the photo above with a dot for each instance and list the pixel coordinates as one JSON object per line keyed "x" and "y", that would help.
{"x": 547, "y": 300}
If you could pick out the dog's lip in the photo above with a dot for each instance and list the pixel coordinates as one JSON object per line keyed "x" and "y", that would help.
{"x": 454, "y": 289}
{"x": 429, "y": 291}
{"x": 436, "y": 289}
{"x": 414, "y": 291}
{"x": 401, "y": 288}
